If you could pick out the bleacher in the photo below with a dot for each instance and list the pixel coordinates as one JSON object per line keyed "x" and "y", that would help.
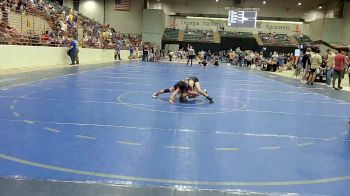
{"x": 270, "y": 39}
{"x": 303, "y": 39}
{"x": 28, "y": 23}
{"x": 199, "y": 36}
{"x": 49, "y": 24}
{"x": 171, "y": 34}
{"x": 236, "y": 34}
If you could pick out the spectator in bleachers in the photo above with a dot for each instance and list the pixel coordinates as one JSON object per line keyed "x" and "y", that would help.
{"x": 5, "y": 13}
{"x": 45, "y": 37}
{"x": 67, "y": 22}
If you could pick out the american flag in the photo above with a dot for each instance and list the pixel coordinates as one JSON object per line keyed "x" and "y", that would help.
{"x": 122, "y": 5}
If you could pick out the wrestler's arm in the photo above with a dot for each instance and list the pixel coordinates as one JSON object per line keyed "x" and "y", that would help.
{"x": 173, "y": 96}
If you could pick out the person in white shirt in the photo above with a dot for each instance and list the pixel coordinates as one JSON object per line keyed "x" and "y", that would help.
{"x": 171, "y": 54}
{"x": 191, "y": 55}
{"x": 249, "y": 60}
{"x": 316, "y": 61}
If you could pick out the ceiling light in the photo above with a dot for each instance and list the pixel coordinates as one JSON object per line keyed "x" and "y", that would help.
{"x": 319, "y": 7}
{"x": 299, "y": 4}
{"x": 264, "y": 2}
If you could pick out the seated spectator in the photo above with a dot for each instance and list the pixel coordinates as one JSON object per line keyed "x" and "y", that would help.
{"x": 45, "y": 37}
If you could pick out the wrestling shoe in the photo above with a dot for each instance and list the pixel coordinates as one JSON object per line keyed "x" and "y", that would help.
{"x": 155, "y": 95}
{"x": 210, "y": 100}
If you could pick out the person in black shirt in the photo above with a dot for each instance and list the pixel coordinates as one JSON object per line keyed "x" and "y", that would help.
{"x": 145, "y": 53}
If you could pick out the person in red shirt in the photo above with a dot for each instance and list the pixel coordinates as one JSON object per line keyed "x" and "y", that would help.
{"x": 339, "y": 65}
{"x": 45, "y": 37}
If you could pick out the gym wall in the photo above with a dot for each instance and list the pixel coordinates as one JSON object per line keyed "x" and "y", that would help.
{"x": 275, "y": 8}
{"x": 125, "y": 21}
{"x": 13, "y": 56}
{"x": 103, "y": 11}
{"x": 153, "y": 26}
{"x": 93, "y": 9}
{"x": 346, "y": 31}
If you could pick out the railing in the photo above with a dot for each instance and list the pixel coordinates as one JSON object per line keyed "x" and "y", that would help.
{"x": 29, "y": 40}
{"x": 28, "y": 22}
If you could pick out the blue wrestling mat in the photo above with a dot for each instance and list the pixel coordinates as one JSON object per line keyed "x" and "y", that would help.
{"x": 102, "y": 125}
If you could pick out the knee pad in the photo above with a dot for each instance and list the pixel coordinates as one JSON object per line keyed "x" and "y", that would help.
{"x": 167, "y": 90}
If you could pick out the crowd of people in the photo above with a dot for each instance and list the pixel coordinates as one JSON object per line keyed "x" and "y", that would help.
{"x": 65, "y": 23}
{"x": 152, "y": 53}
{"x": 309, "y": 66}
{"x": 207, "y": 57}
{"x": 329, "y": 67}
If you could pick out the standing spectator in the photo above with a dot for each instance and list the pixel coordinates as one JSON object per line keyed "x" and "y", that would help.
{"x": 73, "y": 50}
{"x": 191, "y": 55}
{"x": 330, "y": 66}
{"x": 306, "y": 63}
{"x": 339, "y": 64}
{"x": 316, "y": 61}
{"x": 162, "y": 53}
{"x": 249, "y": 59}
{"x": 280, "y": 61}
{"x": 77, "y": 52}
{"x": 145, "y": 53}
{"x": 131, "y": 50}
{"x": 274, "y": 60}
{"x": 171, "y": 54}
{"x": 348, "y": 63}
{"x": 117, "y": 50}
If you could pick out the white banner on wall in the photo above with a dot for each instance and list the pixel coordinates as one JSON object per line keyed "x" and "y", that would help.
{"x": 263, "y": 26}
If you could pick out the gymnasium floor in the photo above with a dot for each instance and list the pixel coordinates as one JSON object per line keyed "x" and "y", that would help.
{"x": 101, "y": 125}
